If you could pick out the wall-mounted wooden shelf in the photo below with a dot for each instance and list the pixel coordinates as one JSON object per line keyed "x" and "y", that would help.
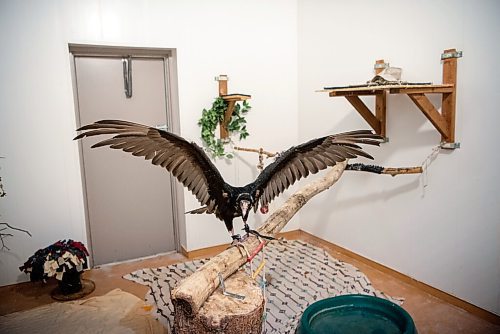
{"x": 231, "y": 100}
{"x": 443, "y": 121}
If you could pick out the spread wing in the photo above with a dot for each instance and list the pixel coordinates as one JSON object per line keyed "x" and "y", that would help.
{"x": 309, "y": 158}
{"x": 186, "y": 161}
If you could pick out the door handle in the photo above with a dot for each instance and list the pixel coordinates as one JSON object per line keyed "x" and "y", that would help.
{"x": 127, "y": 76}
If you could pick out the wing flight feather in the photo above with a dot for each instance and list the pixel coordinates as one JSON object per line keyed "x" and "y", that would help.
{"x": 309, "y": 158}
{"x": 185, "y": 160}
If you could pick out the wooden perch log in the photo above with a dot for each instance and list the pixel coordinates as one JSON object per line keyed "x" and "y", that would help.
{"x": 356, "y": 167}
{"x": 222, "y": 314}
{"x": 191, "y": 293}
{"x": 403, "y": 170}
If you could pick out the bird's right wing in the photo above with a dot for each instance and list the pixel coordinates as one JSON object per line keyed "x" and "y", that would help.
{"x": 185, "y": 160}
{"x": 309, "y": 158}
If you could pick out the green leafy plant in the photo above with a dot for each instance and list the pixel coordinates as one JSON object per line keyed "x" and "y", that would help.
{"x": 210, "y": 118}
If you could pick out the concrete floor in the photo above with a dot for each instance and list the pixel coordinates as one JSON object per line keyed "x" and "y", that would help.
{"x": 431, "y": 314}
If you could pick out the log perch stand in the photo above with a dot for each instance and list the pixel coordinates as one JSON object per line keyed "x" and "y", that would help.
{"x": 223, "y": 314}
{"x": 200, "y": 308}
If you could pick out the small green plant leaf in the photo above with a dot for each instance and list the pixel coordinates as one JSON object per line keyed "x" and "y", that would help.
{"x": 210, "y": 119}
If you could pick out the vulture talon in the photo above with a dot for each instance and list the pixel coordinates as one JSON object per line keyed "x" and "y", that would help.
{"x": 236, "y": 239}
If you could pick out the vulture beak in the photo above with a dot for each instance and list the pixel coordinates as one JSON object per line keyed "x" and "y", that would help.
{"x": 245, "y": 209}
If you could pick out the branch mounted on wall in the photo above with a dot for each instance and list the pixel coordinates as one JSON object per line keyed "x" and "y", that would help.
{"x": 360, "y": 167}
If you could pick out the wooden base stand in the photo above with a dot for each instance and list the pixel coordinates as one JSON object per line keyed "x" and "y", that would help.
{"x": 224, "y": 314}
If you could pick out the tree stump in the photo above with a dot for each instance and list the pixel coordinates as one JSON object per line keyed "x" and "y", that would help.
{"x": 224, "y": 314}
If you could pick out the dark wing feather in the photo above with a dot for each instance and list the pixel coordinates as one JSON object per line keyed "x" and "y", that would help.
{"x": 309, "y": 158}
{"x": 186, "y": 161}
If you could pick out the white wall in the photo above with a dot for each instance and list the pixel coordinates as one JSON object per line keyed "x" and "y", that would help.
{"x": 254, "y": 43}
{"x": 446, "y": 234}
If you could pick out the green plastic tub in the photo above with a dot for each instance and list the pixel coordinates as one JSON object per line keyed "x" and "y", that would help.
{"x": 355, "y": 314}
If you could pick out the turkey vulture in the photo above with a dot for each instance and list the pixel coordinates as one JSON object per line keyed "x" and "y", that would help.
{"x": 193, "y": 168}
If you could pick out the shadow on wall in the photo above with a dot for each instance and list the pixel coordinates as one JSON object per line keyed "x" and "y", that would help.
{"x": 338, "y": 203}
{"x": 379, "y": 196}
{"x": 406, "y": 126}
{"x": 412, "y": 139}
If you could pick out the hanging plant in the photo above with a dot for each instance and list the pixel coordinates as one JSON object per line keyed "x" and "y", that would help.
{"x": 214, "y": 116}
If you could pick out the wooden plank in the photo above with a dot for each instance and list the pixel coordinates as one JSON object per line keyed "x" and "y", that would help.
{"x": 381, "y": 111}
{"x": 224, "y": 133}
{"x": 423, "y": 90}
{"x": 231, "y": 101}
{"x": 448, "y": 102}
{"x": 431, "y": 113}
{"x": 365, "y": 112}
{"x": 385, "y": 87}
{"x": 236, "y": 97}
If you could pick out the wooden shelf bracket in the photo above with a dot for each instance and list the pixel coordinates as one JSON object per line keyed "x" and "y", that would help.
{"x": 443, "y": 121}
{"x": 231, "y": 101}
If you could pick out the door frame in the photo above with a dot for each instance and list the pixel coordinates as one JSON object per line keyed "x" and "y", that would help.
{"x": 169, "y": 57}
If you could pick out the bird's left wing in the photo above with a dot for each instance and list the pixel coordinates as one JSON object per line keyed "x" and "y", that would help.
{"x": 309, "y": 158}
{"x": 185, "y": 160}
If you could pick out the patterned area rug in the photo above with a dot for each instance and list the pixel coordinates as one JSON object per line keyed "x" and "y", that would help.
{"x": 300, "y": 274}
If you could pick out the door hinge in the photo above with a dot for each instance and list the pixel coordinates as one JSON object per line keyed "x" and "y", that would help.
{"x": 163, "y": 127}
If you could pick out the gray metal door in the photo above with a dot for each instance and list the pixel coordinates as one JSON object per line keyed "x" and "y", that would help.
{"x": 128, "y": 200}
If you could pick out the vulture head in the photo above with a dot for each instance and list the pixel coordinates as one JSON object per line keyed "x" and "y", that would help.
{"x": 244, "y": 202}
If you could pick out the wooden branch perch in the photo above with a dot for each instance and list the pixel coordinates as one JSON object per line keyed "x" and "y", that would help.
{"x": 260, "y": 151}
{"x": 356, "y": 167}
{"x": 191, "y": 293}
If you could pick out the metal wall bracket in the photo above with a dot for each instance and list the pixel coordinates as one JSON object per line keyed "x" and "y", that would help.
{"x": 127, "y": 76}
{"x": 449, "y": 146}
{"x": 380, "y": 65}
{"x": 448, "y": 55}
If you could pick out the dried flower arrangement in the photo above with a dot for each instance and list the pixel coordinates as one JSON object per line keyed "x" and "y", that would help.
{"x": 64, "y": 260}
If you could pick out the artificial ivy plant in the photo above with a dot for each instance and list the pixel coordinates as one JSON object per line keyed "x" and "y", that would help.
{"x": 212, "y": 117}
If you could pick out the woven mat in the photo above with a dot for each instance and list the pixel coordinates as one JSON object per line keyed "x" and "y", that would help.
{"x": 300, "y": 275}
